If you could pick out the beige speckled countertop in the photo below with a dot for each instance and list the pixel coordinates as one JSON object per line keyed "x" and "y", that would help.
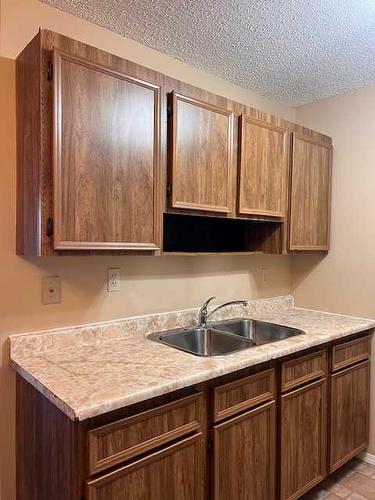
{"x": 89, "y": 370}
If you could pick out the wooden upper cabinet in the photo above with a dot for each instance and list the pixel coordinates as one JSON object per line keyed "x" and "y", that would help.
{"x": 88, "y": 150}
{"x": 310, "y": 194}
{"x": 263, "y": 168}
{"x": 105, "y": 157}
{"x": 200, "y": 155}
{"x": 92, "y": 151}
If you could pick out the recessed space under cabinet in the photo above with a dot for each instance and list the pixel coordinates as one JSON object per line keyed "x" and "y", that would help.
{"x": 191, "y": 234}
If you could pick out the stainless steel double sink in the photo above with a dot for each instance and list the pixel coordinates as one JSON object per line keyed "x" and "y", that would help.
{"x": 224, "y": 337}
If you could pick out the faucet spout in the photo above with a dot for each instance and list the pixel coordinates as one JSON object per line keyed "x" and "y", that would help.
{"x": 203, "y": 314}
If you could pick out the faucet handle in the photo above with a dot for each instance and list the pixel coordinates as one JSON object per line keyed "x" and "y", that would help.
{"x": 202, "y": 315}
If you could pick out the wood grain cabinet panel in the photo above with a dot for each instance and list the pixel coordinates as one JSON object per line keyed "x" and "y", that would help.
{"x": 174, "y": 473}
{"x": 303, "y": 439}
{"x": 244, "y": 394}
{"x": 200, "y": 155}
{"x": 347, "y": 354}
{"x": 303, "y": 369}
{"x": 310, "y": 194}
{"x": 106, "y": 157}
{"x": 263, "y": 162}
{"x": 114, "y": 443}
{"x": 349, "y": 416}
{"x": 245, "y": 456}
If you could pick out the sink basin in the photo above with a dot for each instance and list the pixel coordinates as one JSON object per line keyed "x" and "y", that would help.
{"x": 258, "y": 331}
{"x": 203, "y": 341}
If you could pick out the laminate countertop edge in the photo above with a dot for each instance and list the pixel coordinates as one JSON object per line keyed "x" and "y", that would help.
{"x": 121, "y": 371}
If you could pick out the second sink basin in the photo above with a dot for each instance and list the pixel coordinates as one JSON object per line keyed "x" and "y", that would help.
{"x": 203, "y": 341}
{"x": 257, "y": 331}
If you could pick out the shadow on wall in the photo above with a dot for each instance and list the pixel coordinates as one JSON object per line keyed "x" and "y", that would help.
{"x": 303, "y": 265}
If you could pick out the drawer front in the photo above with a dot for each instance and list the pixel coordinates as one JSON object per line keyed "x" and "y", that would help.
{"x": 112, "y": 444}
{"x": 348, "y": 353}
{"x": 243, "y": 394}
{"x": 174, "y": 472}
{"x": 304, "y": 369}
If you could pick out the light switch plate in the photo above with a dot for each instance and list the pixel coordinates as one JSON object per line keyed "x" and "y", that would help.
{"x": 113, "y": 280}
{"x": 265, "y": 275}
{"x": 51, "y": 290}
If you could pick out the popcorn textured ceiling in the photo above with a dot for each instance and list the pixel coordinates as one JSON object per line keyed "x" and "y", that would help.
{"x": 292, "y": 51}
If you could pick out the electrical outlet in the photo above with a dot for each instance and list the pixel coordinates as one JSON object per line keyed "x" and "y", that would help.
{"x": 51, "y": 290}
{"x": 113, "y": 280}
{"x": 265, "y": 275}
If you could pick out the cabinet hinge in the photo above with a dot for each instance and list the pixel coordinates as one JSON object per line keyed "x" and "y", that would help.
{"x": 49, "y": 71}
{"x": 209, "y": 445}
{"x": 49, "y": 226}
{"x": 169, "y": 111}
{"x": 169, "y": 189}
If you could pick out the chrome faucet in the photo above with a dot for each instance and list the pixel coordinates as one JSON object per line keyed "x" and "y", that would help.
{"x": 203, "y": 314}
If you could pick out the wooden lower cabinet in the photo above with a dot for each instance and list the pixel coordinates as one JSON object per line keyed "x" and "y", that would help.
{"x": 274, "y": 431}
{"x": 349, "y": 417}
{"x": 245, "y": 456}
{"x": 303, "y": 439}
{"x": 174, "y": 473}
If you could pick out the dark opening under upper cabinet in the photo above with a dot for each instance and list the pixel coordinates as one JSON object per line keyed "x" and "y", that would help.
{"x": 310, "y": 194}
{"x": 263, "y": 168}
{"x": 200, "y": 155}
{"x": 88, "y": 150}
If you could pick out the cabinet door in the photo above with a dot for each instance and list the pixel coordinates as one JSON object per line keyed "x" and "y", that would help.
{"x": 201, "y": 155}
{"x": 310, "y": 194}
{"x": 244, "y": 456}
{"x": 349, "y": 421}
{"x": 303, "y": 439}
{"x": 263, "y": 168}
{"x": 106, "y": 158}
{"x": 174, "y": 473}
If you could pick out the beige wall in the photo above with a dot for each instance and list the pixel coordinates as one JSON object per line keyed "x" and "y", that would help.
{"x": 344, "y": 281}
{"x": 149, "y": 284}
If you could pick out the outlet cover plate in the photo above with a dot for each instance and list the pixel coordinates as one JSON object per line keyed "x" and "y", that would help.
{"x": 51, "y": 290}
{"x": 113, "y": 280}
